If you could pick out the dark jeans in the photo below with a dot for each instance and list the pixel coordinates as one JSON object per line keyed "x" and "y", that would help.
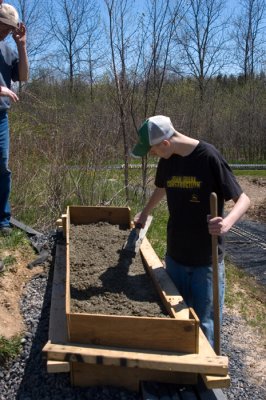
{"x": 5, "y": 173}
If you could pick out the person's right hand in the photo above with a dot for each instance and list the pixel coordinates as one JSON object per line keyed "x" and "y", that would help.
{"x": 140, "y": 218}
{"x": 8, "y": 93}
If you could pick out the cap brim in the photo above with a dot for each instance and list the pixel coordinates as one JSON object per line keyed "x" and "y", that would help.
{"x": 7, "y": 22}
{"x": 140, "y": 150}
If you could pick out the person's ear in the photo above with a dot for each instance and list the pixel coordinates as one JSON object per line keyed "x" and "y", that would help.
{"x": 166, "y": 142}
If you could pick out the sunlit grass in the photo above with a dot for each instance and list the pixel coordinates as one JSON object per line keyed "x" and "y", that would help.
{"x": 246, "y": 295}
{"x": 256, "y": 173}
{"x": 9, "y": 348}
{"x": 17, "y": 238}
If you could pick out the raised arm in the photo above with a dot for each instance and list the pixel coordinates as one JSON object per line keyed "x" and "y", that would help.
{"x": 19, "y": 37}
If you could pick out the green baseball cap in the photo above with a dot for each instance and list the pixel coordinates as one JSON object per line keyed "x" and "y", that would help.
{"x": 153, "y": 131}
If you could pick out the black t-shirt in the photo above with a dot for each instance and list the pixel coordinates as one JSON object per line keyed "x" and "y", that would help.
{"x": 188, "y": 182}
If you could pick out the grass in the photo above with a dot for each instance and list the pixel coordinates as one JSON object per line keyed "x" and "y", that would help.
{"x": 17, "y": 239}
{"x": 255, "y": 173}
{"x": 9, "y": 348}
{"x": 9, "y": 260}
{"x": 247, "y": 296}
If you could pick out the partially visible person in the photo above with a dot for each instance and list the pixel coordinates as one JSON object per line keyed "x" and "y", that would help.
{"x": 13, "y": 67}
{"x": 188, "y": 171}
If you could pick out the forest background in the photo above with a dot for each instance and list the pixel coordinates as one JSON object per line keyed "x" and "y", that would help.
{"x": 99, "y": 68}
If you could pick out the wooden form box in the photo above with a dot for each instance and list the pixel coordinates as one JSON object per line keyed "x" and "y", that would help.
{"x": 166, "y": 334}
{"x": 122, "y": 350}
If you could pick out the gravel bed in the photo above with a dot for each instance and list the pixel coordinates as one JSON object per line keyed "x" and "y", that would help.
{"x": 25, "y": 378}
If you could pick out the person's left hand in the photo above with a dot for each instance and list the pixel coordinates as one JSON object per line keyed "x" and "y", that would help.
{"x": 19, "y": 34}
{"x": 217, "y": 226}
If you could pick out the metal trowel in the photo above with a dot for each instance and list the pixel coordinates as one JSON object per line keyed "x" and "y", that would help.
{"x": 135, "y": 237}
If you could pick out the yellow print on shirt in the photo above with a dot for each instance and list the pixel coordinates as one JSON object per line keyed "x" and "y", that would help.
{"x": 184, "y": 182}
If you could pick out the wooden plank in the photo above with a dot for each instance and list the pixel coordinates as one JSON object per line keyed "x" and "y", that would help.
{"x": 64, "y": 224}
{"x": 209, "y": 394}
{"x": 171, "y": 298}
{"x": 59, "y": 222}
{"x": 89, "y": 214}
{"x": 55, "y": 367}
{"x": 24, "y": 227}
{"x": 211, "y": 381}
{"x": 136, "y": 358}
{"x": 98, "y": 375}
{"x": 67, "y": 289}
{"x": 216, "y": 382}
{"x": 133, "y": 332}
{"x": 57, "y": 322}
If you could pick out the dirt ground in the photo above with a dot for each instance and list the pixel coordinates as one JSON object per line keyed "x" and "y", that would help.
{"x": 13, "y": 280}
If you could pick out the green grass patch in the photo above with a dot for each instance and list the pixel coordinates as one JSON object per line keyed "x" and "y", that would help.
{"x": 246, "y": 295}
{"x": 9, "y": 260}
{"x": 16, "y": 239}
{"x": 9, "y": 348}
{"x": 256, "y": 173}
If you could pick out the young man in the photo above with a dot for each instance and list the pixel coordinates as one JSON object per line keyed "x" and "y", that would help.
{"x": 188, "y": 171}
{"x": 13, "y": 67}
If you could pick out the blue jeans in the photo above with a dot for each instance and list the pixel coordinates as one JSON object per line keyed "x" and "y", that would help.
{"x": 195, "y": 286}
{"x": 5, "y": 173}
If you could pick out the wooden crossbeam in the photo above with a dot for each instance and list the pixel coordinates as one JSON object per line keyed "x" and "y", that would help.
{"x": 211, "y": 381}
{"x": 54, "y": 367}
{"x": 134, "y": 358}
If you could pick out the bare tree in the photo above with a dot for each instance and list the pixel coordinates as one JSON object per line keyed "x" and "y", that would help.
{"x": 201, "y": 40}
{"x": 249, "y": 36}
{"x": 32, "y": 14}
{"x": 95, "y": 57}
{"x": 120, "y": 35}
{"x": 156, "y": 30}
{"x": 71, "y": 24}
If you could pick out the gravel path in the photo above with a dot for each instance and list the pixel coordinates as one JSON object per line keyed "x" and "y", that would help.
{"x": 26, "y": 378}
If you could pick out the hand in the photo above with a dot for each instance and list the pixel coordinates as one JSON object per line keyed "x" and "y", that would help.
{"x": 141, "y": 219}
{"x": 8, "y": 93}
{"x": 19, "y": 34}
{"x": 217, "y": 226}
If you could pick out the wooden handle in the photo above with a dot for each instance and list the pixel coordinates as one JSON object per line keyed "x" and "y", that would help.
{"x": 216, "y": 307}
{"x": 213, "y": 205}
